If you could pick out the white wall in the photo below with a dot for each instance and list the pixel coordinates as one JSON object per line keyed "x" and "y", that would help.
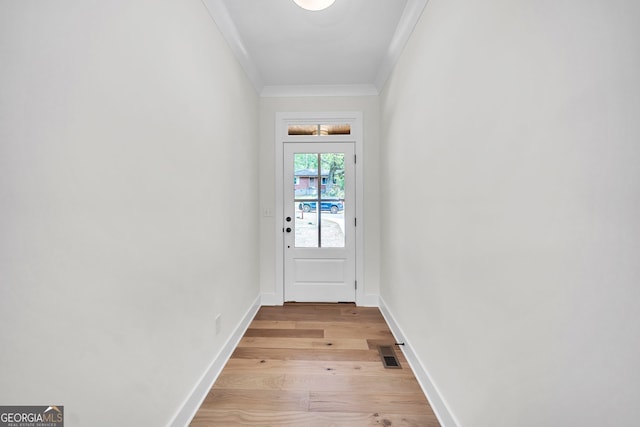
{"x": 128, "y": 168}
{"x": 370, "y": 107}
{"x": 510, "y": 227}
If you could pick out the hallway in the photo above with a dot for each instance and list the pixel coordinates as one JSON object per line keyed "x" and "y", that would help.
{"x": 141, "y": 225}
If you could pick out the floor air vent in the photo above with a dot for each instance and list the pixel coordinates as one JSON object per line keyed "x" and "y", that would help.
{"x": 388, "y": 356}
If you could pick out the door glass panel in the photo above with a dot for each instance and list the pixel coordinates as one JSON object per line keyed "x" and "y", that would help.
{"x": 305, "y": 170}
{"x": 332, "y": 200}
{"x": 319, "y": 200}
{"x": 306, "y": 226}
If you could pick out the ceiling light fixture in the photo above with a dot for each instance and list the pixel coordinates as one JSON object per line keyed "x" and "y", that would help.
{"x": 314, "y": 5}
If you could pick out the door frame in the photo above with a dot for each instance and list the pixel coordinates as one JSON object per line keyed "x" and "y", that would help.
{"x": 282, "y": 122}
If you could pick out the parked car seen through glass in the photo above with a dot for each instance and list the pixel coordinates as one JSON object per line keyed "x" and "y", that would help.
{"x": 333, "y": 206}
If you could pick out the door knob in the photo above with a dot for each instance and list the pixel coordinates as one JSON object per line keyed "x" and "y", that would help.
{"x": 288, "y": 229}
{"x": 288, "y": 219}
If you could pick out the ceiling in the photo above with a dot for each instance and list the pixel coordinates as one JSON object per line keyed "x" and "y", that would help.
{"x": 347, "y": 49}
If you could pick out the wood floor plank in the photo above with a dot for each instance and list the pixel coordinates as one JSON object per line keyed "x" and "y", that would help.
{"x": 316, "y": 382}
{"x": 315, "y": 365}
{"x": 349, "y": 329}
{"x": 244, "y": 399}
{"x": 274, "y": 324}
{"x": 284, "y": 333}
{"x": 394, "y": 403}
{"x": 375, "y": 343}
{"x": 331, "y": 367}
{"x": 305, "y": 354}
{"x": 320, "y": 314}
{"x": 296, "y": 343}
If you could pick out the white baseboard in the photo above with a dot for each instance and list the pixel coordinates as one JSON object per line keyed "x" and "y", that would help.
{"x": 437, "y": 402}
{"x": 201, "y": 389}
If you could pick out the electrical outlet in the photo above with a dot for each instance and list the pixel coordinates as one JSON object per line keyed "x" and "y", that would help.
{"x": 218, "y": 321}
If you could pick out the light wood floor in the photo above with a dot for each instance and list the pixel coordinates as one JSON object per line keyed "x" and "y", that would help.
{"x": 315, "y": 365}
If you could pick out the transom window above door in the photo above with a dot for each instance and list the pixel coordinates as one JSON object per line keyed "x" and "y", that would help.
{"x": 319, "y": 129}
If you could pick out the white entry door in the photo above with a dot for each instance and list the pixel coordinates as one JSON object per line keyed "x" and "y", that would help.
{"x": 319, "y": 222}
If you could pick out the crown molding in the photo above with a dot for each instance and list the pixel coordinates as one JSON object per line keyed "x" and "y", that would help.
{"x": 318, "y": 90}
{"x": 222, "y": 19}
{"x": 408, "y": 20}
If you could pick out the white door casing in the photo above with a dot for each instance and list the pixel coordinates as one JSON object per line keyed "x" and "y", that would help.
{"x": 282, "y": 121}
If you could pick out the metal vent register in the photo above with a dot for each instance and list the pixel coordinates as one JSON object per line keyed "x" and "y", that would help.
{"x": 388, "y": 356}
